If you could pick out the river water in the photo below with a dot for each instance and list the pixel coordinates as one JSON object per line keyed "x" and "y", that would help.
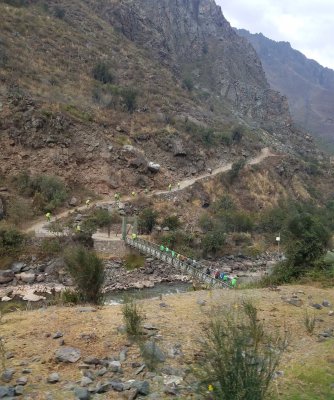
{"x": 160, "y": 289}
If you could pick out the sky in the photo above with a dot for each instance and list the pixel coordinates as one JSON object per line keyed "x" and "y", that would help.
{"x": 307, "y": 24}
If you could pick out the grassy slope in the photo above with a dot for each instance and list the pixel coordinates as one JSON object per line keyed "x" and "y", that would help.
{"x": 307, "y": 364}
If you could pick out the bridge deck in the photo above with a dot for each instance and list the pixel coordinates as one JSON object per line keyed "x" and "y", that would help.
{"x": 153, "y": 249}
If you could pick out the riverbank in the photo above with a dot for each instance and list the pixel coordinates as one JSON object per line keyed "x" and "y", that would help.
{"x": 29, "y": 280}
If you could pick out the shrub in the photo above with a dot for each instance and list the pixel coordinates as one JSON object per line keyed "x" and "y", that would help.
{"x": 50, "y": 190}
{"x": 309, "y": 322}
{"x": 87, "y": 271}
{"x": 69, "y": 296}
{"x": 129, "y": 98}
{"x": 206, "y": 223}
{"x": 172, "y": 222}
{"x": 133, "y": 318}
{"x": 147, "y": 219}
{"x": 239, "y": 357}
{"x": 234, "y": 172}
{"x": 101, "y": 72}
{"x": 188, "y": 84}
{"x": 59, "y": 12}
{"x": 213, "y": 241}
{"x": 237, "y": 134}
{"x": 11, "y": 241}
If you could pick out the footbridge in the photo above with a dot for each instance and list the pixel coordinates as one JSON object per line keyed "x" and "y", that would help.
{"x": 185, "y": 265}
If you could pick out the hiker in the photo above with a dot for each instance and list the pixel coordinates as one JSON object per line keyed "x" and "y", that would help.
{"x": 173, "y": 253}
{"x": 226, "y": 278}
{"x": 208, "y": 271}
{"x": 116, "y": 197}
{"x": 133, "y": 194}
{"x": 222, "y": 275}
{"x": 178, "y": 256}
{"x": 146, "y": 191}
{"x": 48, "y": 216}
{"x": 170, "y": 187}
{"x": 162, "y": 247}
{"x": 210, "y": 170}
{"x": 134, "y": 236}
{"x": 216, "y": 274}
{"x": 87, "y": 202}
{"x": 166, "y": 249}
{"x": 179, "y": 185}
{"x": 234, "y": 282}
{"x": 78, "y": 228}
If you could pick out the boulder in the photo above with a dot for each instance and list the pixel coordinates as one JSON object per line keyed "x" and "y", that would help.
{"x": 32, "y": 297}
{"x": 81, "y": 393}
{"x": 67, "y": 355}
{"x": 27, "y": 277}
{"x": 153, "y": 167}
{"x": 73, "y": 202}
{"x": 152, "y": 351}
{"x": 53, "y": 378}
{"x": 6, "y": 276}
{"x": 17, "y": 267}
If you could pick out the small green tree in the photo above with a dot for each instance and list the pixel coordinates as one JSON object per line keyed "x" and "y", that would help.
{"x": 87, "y": 271}
{"x": 236, "y": 169}
{"x": 213, "y": 241}
{"x": 146, "y": 221}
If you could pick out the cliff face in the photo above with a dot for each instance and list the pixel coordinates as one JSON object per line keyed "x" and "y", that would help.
{"x": 191, "y": 80}
{"x": 196, "y": 41}
{"x": 308, "y": 86}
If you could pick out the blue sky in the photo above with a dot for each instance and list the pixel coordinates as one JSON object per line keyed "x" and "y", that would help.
{"x": 307, "y": 24}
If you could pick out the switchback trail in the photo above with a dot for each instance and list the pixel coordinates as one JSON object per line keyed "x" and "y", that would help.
{"x": 40, "y": 227}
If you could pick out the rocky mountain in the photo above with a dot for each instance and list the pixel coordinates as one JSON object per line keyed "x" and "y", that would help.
{"x": 308, "y": 86}
{"x": 96, "y": 91}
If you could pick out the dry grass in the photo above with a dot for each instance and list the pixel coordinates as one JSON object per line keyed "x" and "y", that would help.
{"x": 180, "y": 322}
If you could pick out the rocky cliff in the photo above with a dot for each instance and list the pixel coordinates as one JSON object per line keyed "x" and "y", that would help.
{"x": 177, "y": 82}
{"x": 308, "y": 86}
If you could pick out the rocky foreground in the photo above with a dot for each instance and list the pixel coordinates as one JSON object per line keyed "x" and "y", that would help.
{"x": 29, "y": 280}
{"x": 84, "y": 352}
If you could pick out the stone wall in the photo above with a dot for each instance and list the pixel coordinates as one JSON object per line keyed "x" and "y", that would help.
{"x": 116, "y": 248}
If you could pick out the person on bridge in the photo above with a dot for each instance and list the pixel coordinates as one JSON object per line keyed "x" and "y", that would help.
{"x": 173, "y": 253}
{"x": 216, "y": 274}
{"x": 162, "y": 247}
{"x": 222, "y": 275}
{"x": 48, "y": 216}
{"x": 170, "y": 187}
{"x": 87, "y": 202}
{"x": 234, "y": 282}
{"x": 208, "y": 271}
{"x": 166, "y": 249}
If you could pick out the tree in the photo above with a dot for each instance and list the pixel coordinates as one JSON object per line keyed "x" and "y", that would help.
{"x": 307, "y": 242}
{"x": 147, "y": 220}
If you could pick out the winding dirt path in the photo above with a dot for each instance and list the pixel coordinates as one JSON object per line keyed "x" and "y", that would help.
{"x": 41, "y": 227}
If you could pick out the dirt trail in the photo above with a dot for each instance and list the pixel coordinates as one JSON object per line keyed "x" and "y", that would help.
{"x": 41, "y": 227}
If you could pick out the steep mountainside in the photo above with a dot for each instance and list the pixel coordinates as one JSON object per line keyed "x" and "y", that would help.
{"x": 308, "y": 86}
{"x": 92, "y": 91}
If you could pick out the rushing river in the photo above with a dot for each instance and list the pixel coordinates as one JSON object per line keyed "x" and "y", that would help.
{"x": 160, "y": 289}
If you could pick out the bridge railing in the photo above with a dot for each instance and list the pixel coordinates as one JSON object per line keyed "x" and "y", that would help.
{"x": 153, "y": 250}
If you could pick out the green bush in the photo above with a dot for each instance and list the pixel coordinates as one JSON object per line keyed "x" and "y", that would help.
{"x": 69, "y": 296}
{"x": 19, "y": 211}
{"x": 11, "y": 241}
{"x": 213, "y": 241}
{"x": 50, "y": 190}
{"x": 234, "y": 172}
{"x": 59, "y": 12}
{"x": 133, "y": 318}
{"x": 239, "y": 358}
{"x": 206, "y": 223}
{"x": 146, "y": 221}
{"x": 87, "y": 271}
{"x": 129, "y": 98}
{"x": 101, "y": 72}
{"x": 188, "y": 84}
{"x": 172, "y": 222}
